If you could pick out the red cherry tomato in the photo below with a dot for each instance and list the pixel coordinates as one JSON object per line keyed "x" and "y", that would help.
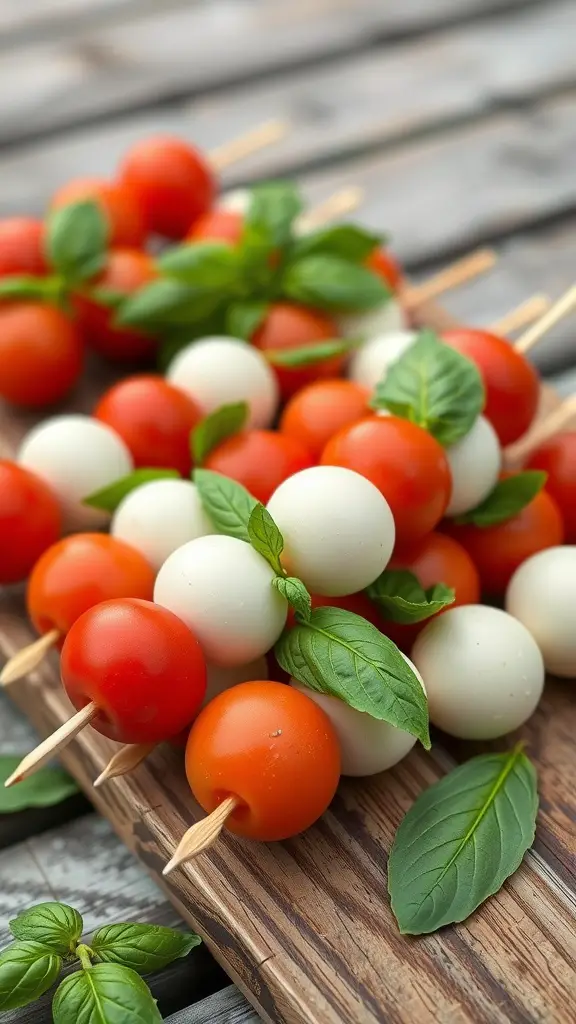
{"x": 140, "y": 664}
{"x": 79, "y": 572}
{"x": 511, "y": 382}
{"x": 319, "y": 411}
{"x": 382, "y": 262}
{"x": 126, "y": 271}
{"x": 41, "y": 354}
{"x": 558, "y": 457}
{"x": 30, "y": 521}
{"x": 288, "y": 326}
{"x": 217, "y": 226}
{"x": 279, "y": 756}
{"x": 405, "y": 463}
{"x": 172, "y": 181}
{"x": 119, "y": 204}
{"x": 497, "y": 551}
{"x": 22, "y": 246}
{"x": 260, "y": 460}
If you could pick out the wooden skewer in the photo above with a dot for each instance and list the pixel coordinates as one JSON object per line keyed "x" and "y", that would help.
{"x": 337, "y": 205}
{"x": 458, "y": 273}
{"x": 565, "y": 305}
{"x": 251, "y": 142}
{"x": 203, "y": 834}
{"x": 557, "y": 420}
{"x": 128, "y": 758}
{"x": 28, "y": 658}
{"x": 48, "y": 749}
{"x": 521, "y": 316}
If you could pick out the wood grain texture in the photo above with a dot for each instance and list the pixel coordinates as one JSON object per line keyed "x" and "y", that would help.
{"x": 225, "y": 1007}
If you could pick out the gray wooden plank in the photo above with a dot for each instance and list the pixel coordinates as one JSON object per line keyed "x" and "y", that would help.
{"x": 225, "y": 1007}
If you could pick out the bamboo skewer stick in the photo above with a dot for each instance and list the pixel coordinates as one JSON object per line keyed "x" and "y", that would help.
{"x": 559, "y": 419}
{"x": 451, "y": 277}
{"x": 565, "y": 305}
{"x": 245, "y": 145}
{"x": 51, "y": 746}
{"x": 337, "y": 205}
{"x": 127, "y": 758}
{"x": 521, "y": 316}
{"x": 202, "y": 835}
{"x": 28, "y": 658}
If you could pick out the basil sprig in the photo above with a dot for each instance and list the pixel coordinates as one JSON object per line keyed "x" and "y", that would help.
{"x": 509, "y": 497}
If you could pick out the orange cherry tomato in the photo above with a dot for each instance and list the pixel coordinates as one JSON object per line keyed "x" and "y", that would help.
{"x": 22, "y": 246}
{"x": 289, "y": 326}
{"x": 30, "y": 521}
{"x": 79, "y": 572}
{"x": 217, "y": 226}
{"x": 320, "y": 410}
{"x": 404, "y": 462}
{"x": 279, "y": 756}
{"x": 558, "y": 457}
{"x": 382, "y": 262}
{"x": 512, "y": 384}
{"x": 126, "y": 271}
{"x": 172, "y": 181}
{"x": 119, "y": 204}
{"x": 140, "y": 664}
{"x": 260, "y": 460}
{"x": 41, "y": 354}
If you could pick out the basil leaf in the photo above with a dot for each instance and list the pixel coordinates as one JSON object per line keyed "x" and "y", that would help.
{"x": 508, "y": 498}
{"x": 143, "y": 947}
{"x": 108, "y": 498}
{"x": 109, "y": 297}
{"x": 401, "y": 598}
{"x": 166, "y": 302}
{"x": 46, "y": 788}
{"x": 309, "y": 355}
{"x": 334, "y": 284}
{"x": 175, "y": 337}
{"x": 27, "y": 970}
{"x": 339, "y": 653}
{"x": 55, "y": 925}
{"x": 104, "y": 994}
{"x": 244, "y": 318}
{"x": 265, "y": 537}
{"x": 346, "y": 240}
{"x": 228, "y": 504}
{"x": 296, "y": 594}
{"x": 208, "y": 266}
{"x": 274, "y": 206}
{"x": 77, "y": 240}
{"x": 461, "y": 840}
{"x": 434, "y": 386}
{"x": 27, "y": 287}
{"x": 215, "y": 428}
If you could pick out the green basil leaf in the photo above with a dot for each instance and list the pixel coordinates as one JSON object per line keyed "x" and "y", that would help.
{"x": 309, "y": 355}
{"x": 265, "y": 537}
{"x": 175, "y": 337}
{"x": 144, "y": 948}
{"x": 434, "y": 386}
{"x": 108, "y": 498}
{"x": 215, "y": 428}
{"x": 244, "y": 318}
{"x": 104, "y": 994}
{"x": 55, "y": 925}
{"x": 296, "y": 594}
{"x": 401, "y": 598}
{"x": 507, "y": 499}
{"x": 461, "y": 840}
{"x": 46, "y": 788}
{"x": 109, "y": 297}
{"x": 346, "y": 240}
{"x": 334, "y": 284}
{"x": 77, "y": 240}
{"x": 166, "y": 302}
{"x": 227, "y": 503}
{"x": 339, "y": 653}
{"x": 27, "y": 287}
{"x": 208, "y": 266}
{"x": 27, "y": 970}
{"x": 275, "y": 205}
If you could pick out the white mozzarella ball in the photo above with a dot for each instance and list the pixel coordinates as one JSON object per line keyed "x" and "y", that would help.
{"x": 475, "y": 464}
{"x": 370, "y": 363}
{"x": 482, "y": 670}
{"x": 219, "y": 371}
{"x": 219, "y": 678}
{"x": 76, "y": 455}
{"x": 159, "y": 517}
{"x": 542, "y": 595}
{"x": 367, "y": 745}
{"x": 222, "y": 589}
{"x": 338, "y": 529}
{"x": 386, "y": 319}
{"x": 237, "y": 200}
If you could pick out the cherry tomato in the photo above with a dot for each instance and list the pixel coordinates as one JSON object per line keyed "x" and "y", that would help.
{"x": 558, "y": 457}
{"x": 140, "y": 664}
{"x": 154, "y": 419}
{"x": 22, "y": 246}
{"x": 319, "y": 411}
{"x": 118, "y": 203}
{"x": 497, "y": 551}
{"x": 277, "y": 755}
{"x": 172, "y": 181}
{"x": 81, "y": 571}
{"x": 217, "y": 226}
{"x": 41, "y": 354}
{"x": 382, "y": 262}
{"x": 288, "y": 326}
{"x": 260, "y": 460}
{"x": 30, "y": 521}
{"x": 404, "y": 462}
{"x": 511, "y": 382}
{"x": 126, "y": 271}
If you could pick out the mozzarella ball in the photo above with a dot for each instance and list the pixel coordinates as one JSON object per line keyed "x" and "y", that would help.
{"x": 219, "y": 679}
{"x": 475, "y": 464}
{"x": 542, "y": 595}
{"x": 159, "y": 517}
{"x": 219, "y": 371}
{"x": 386, "y": 319}
{"x": 76, "y": 455}
{"x": 222, "y": 589}
{"x": 482, "y": 670}
{"x": 237, "y": 200}
{"x": 370, "y": 363}
{"x": 367, "y": 745}
{"x": 338, "y": 529}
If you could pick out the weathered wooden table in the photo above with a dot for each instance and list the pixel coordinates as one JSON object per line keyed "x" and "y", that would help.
{"x": 458, "y": 117}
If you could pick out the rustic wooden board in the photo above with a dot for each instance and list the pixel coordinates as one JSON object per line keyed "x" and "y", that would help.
{"x": 225, "y": 1007}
